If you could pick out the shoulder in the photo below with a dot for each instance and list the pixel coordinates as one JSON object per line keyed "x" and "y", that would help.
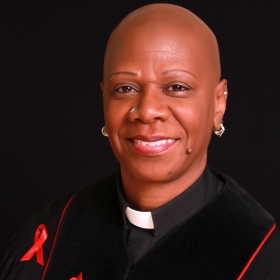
{"x": 241, "y": 206}
{"x": 249, "y": 214}
{"x": 50, "y": 216}
{"x": 233, "y": 190}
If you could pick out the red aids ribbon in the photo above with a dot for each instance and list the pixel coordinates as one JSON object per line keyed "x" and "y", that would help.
{"x": 80, "y": 277}
{"x": 40, "y": 237}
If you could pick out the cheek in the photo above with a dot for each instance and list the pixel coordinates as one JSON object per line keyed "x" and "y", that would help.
{"x": 195, "y": 118}
{"x": 109, "y": 112}
{"x": 112, "y": 123}
{"x": 187, "y": 115}
{"x": 115, "y": 114}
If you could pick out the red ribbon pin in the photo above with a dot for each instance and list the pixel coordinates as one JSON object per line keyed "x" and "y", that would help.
{"x": 80, "y": 277}
{"x": 40, "y": 237}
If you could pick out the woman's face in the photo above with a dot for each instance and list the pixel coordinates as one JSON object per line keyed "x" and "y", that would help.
{"x": 159, "y": 106}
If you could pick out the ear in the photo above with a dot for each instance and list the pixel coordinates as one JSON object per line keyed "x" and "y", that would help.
{"x": 102, "y": 87}
{"x": 220, "y": 103}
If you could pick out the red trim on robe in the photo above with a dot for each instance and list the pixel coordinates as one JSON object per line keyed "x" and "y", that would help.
{"x": 55, "y": 237}
{"x": 256, "y": 252}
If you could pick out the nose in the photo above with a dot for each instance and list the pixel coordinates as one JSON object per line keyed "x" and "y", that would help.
{"x": 149, "y": 106}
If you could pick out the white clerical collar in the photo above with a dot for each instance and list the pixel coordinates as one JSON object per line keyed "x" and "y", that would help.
{"x": 140, "y": 219}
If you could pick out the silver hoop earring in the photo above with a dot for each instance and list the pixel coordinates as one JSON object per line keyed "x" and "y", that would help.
{"x": 221, "y": 131}
{"x": 130, "y": 111}
{"x": 104, "y": 132}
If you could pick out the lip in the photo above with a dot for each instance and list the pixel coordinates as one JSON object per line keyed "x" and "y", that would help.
{"x": 151, "y": 145}
{"x": 151, "y": 138}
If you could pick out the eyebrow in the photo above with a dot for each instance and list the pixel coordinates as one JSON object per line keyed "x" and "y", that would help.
{"x": 166, "y": 72}
{"x": 123, "y": 73}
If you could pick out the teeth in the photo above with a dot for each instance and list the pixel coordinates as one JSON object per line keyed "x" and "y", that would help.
{"x": 156, "y": 143}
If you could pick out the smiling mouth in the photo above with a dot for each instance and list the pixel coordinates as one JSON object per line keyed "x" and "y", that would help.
{"x": 154, "y": 143}
{"x": 150, "y": 146}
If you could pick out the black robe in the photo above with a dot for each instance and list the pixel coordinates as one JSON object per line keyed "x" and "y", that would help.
{"x": 232, "y": 237}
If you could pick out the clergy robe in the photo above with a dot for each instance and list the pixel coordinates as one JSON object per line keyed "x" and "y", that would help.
{"x": 81, "y": 237}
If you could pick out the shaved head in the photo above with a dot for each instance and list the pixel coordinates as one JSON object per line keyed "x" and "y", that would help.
{"x": 163, "y": 22}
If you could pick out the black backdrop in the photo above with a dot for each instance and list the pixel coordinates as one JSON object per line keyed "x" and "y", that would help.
{"x": 51, "y": 104}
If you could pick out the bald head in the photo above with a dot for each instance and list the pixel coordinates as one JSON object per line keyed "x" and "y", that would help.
{"x": 167, "y": 28}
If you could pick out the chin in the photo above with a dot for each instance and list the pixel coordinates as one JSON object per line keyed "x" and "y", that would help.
{"x": 152, "y": 172}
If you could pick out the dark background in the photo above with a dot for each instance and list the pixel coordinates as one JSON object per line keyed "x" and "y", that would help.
{"x": 51, "y": 103}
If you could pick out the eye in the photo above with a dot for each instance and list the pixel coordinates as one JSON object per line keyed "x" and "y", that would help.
{"x": 125, "y": 89}
{"x": 176, "y": 88}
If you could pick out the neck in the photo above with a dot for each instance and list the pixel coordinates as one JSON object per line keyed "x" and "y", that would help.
{"x": 147, "y": 195}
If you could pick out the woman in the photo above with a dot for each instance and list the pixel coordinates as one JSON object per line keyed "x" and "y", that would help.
{"x": 165, "y": 214}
